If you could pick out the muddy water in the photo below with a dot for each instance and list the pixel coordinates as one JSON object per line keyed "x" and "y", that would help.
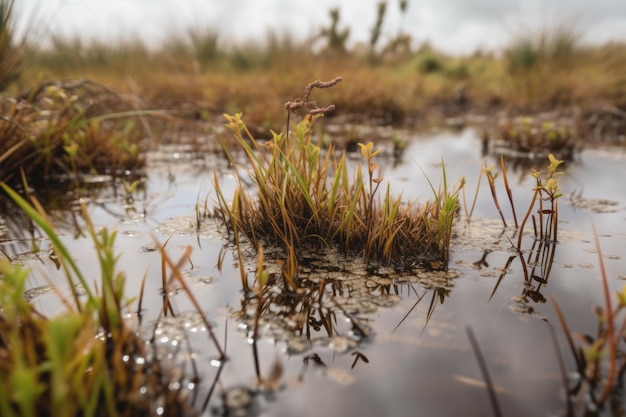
{"x": 394, "y": 344}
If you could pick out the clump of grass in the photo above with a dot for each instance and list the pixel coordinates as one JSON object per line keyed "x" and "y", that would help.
{"x": 306, "y": 197}
{"x": 546, "y": 194}
{"x": 553, "y": 47}
{"x": 525, "y": 137}
{"x": 198, "y": 44}
{"x": 61, "y": 130}
{"x": 88, "y": 361}
{"x": 429, "y": 61}
{"x": 540, "y": 63}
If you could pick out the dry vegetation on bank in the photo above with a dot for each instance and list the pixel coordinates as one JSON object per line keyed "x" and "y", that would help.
{"x": 401, "y": 81}
{"x": 571, "y": 90}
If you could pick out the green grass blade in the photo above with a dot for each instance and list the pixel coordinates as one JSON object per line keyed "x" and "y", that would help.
{"x": 47, "y": 228}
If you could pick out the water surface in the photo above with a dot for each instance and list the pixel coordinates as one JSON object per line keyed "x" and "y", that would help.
{"x": 416, "y": 358}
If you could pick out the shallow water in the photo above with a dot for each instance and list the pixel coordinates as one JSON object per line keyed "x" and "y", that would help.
{"x": 416, "y": 358}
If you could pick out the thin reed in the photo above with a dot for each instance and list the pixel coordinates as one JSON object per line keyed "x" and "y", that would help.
{"x": 546, "y": 194}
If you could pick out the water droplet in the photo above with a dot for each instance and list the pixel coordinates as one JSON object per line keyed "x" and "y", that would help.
{"x": 149, "y": 248}
{"x": 341, "y": 343}
{"x": 238, "y": 397}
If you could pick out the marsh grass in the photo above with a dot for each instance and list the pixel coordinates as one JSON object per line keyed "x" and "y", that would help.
{"x": 66, "y": 130}
{"x": 543, "y": 208}
{"x": 94, "y": 56}
{"x": 601, "y": 358}
{"x": 524, "y": 137}
{"x": 405, "y": 83}
{"x": 305, "y": 197}
{"x": 90, "y": 359}
{"x": 546, "y": 196}
{"x": 539, "y": 61}
{"x": 554, "y": 46}
{"x": 542, "y": 212}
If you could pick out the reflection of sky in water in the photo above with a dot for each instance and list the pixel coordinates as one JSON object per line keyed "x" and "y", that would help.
{"x": 599, "y": 174}
{"x": 523, "y": 365}
{"x": 414, "y": 370}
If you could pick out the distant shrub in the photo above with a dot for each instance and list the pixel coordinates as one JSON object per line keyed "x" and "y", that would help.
{"x": 458, "y": 71}
{"x": 556, "y": 47}
{"x": 522, "y": 55}
{"x": 429, "y": 62}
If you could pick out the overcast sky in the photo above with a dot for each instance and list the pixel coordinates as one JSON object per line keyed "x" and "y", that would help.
{"x": 457, "y": 26}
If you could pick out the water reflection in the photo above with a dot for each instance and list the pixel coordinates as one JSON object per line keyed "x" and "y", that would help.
{"x": 368, "y": 341}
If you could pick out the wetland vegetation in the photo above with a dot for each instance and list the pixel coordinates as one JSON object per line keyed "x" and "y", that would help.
{"x": 305, "y": 218}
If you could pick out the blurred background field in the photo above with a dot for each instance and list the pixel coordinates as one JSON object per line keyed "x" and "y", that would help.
{"x": 400, "y": 64}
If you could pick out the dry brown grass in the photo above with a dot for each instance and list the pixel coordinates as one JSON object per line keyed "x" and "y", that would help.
{"x": 65, "y": 129}
{"x": 415, "y": 85}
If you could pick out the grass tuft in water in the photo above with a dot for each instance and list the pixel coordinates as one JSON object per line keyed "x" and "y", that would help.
{"x": 305, "y": 197}
{"x": 66, "y": 130}
{"x": 526, "y": 136}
